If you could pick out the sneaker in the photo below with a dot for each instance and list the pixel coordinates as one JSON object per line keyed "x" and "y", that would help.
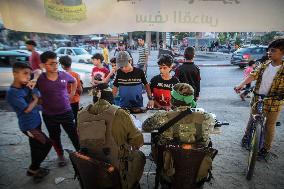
{"x": 39, "y": 174}
{"x": 61, "y": 161}
{"x": 244, "y": 142}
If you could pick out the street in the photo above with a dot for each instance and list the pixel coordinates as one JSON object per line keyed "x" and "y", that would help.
{"x": 217, "y": 96}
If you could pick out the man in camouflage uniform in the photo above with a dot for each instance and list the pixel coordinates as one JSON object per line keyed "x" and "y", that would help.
{"x": 123, "y": 144}
{"x": 194, "y": 129}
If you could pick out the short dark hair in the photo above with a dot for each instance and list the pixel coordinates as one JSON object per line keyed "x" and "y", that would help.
{"x": 65, "y": 61}
{"x": 250, "y": 63}
{"x": 113, "y": 60}
{"x": 165, "y": 59}
{"x": 102, "y": 43}
{"x": 31, "y": 42}
{"x": 47, "y": 55}
{"x": 189, "y": 53}
{"x": 20, "y": 66}
{"x": 98, "y": 56}
{"x": 141, "y": 37}
{"x": 277, "y": 44}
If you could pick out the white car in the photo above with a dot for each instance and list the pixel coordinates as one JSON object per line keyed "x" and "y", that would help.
{"x": 7, "y": 59}
{"x": 84, "y": 70}
{"x": 77, "y": 54}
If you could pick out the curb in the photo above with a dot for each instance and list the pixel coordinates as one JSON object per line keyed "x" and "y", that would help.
{"x": 215, "y": 65}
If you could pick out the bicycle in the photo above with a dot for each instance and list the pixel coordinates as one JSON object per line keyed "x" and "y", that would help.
{"x": 256, "y": 133}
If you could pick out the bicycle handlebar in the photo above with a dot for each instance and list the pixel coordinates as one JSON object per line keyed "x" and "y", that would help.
{"x": 220, "y": 124}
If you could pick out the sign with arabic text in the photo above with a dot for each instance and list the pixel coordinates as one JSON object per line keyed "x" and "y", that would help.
{"x": 81, "y": 17}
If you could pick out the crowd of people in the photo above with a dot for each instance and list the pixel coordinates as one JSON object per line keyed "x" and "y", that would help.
{"x": 117, "y": 81}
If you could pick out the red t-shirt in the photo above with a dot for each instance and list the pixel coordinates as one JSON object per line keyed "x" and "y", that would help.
{"x": 35, "y": 60}
{"x": 161, "y": 89}
{"x": 100, "y": 73}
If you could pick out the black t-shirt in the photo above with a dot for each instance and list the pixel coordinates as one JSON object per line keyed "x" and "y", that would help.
{"x": 130, "y": 87}
{"x": 161, "y": 89}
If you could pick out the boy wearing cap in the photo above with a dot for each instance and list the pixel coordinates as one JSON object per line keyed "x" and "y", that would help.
{"x": 129, "y": 82}
{"x": 24, "y": 102}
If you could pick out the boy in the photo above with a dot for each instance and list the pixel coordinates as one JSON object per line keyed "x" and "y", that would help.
{"x": 100, "y": 78}
{"x": 56, "y": 103}
{"x": 162, "y": 84}
{"x": 129, "y": 81}
{"x": 270, "y": 82}
{"x": 34, "y": 58}
{"x": 105, "y": 53}
{"x": 66, "y": 62}
{"x": 24, "y": 102}
{"x": 189, "y": 73}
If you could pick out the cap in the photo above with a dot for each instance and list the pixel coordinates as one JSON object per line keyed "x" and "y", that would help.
{"x": 120, "y": 43}
{"x": 122, "y": 59}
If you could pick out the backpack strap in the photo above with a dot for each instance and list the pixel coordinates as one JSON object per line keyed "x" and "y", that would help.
{"x": 173, "y": 121}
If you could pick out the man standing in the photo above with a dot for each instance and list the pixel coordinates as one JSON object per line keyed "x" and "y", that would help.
{"x": 105, "y": 52}
{"x": 34, "y": 58}
{"x": 143, "y": 52}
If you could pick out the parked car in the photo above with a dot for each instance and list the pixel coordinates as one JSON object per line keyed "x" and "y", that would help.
{"x": 7, "y": 59}
{"x": 92, "y": 50}
{"x": 26, "y": 51}
{"x": 77, "y": 54}
{"x": 242, "y": 56}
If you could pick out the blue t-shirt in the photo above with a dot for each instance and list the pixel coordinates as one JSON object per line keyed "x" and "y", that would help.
{"x": 19, "y": 99}
{"x": 130, "y": 87}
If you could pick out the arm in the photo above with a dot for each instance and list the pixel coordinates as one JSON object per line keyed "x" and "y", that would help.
{"x": 150, "y": 96}
{"x": 105, "y": 80}
{"x": 247, "y": 80}
{"x": 198, "y": 84}
{"x": 32, "y": 104}
{"x": 32, "y": 83}
{"x": 114, "y": 91}
{"x": 133, "y": 136}
{"x": 73, "y": 88}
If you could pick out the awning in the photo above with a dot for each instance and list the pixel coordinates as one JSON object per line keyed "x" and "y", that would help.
{"x": 82, "y": 17}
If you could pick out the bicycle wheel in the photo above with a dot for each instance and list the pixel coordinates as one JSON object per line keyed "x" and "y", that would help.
{"x": 254, "y": 146}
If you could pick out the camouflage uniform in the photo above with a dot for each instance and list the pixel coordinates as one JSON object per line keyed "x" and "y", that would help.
{"x": 125, "y": 135}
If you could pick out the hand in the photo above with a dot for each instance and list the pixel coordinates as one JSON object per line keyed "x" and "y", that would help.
{"x": 31, "y": 84}
{"x": 197, "y": 98}
{"x": 135, "y": 148}
{"x": 145, "y": 68}
{"x": 238, "y": 88}
{"x": 35, "y": 97}
{"x": 150, "y": 104}
{"x": 167, "y": 108}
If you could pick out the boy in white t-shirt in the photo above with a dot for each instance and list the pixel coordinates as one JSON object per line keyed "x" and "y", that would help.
{"x": 270, "y": 82}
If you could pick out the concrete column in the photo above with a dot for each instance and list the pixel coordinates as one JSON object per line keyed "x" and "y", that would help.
{"x": 148, "y": 40}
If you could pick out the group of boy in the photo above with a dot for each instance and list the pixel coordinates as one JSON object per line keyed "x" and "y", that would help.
{"x": 59, "y": 92}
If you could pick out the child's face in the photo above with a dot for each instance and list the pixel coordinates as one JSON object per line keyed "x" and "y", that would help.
{"x": 164, "y": 69}
{"x": 275, "y": 54}
{"x": 51, "y": 66}
{"x": 96, "y": 62}
{"x": 127, "y": 68}
{"x": 22, "y": 76}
